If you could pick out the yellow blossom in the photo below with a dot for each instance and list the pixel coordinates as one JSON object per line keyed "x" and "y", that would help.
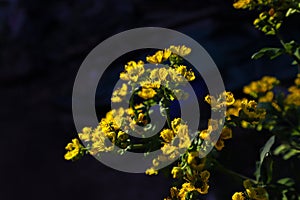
{"x": 202, "y": 185}
{"x": 167, "y": 135}
{"x": 147, "y": 93}
{"x": 238, "y": 196}
{"x": 180, "y": 50}
{"x": 73, "y": 149}
{"x": 241, "y": 4}
{"x": 122, "y": 136}
{"x": 235, "y": 108}
{"x": 261, "y": 86}
{"x": 267, "y": 98}
{"x": 119, "y": 93}
{"x": 225, "y": 135}
{"x": 159, "y": 74}
{"x": 293, "y": 98}
{"x": 194, "y": 160}
{"x": 183, "y": 135}
{"x": 151, "y": 171}
{"x": 297, "y": 80}
{"x": 182, "y": 70}
{"x": 229, "y": 98}
{"x": 251, "y": 110}
{"x": 256, "y": 193}
{"x": 214, "y": 124}
{"x": 86, "y": 134}
{"x": 205, "y": 134}
{"x": 168, "y": 149}
{"x": 176, "y": 172}
{"x": 150, "y": 84}
{"x": 159, "y": 56}
{"x": 155, "y": 162}
{"x": 133, "y": 70}
{"x": 174, "y": 124}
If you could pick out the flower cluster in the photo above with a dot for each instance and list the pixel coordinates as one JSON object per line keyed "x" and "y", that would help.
{"x": 253, "y": 191}
{"x": 273, "y": 14}
{"x": 265, "y": 108}
{"x": 74, "y": 150}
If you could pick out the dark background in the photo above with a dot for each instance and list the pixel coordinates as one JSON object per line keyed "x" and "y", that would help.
{"x": 42, "y": 44}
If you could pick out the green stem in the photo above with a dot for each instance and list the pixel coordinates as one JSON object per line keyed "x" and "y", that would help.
{"x": 280, "y": 38}
{"x": 221, "y": 168}
{"x": 168, "y": 117}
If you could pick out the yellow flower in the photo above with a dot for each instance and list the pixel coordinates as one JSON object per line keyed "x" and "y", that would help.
{"x": 224, "y": 99}
{"x": 205, "y": 134}
{"x": 167, "y": 135}
{"x": 267, "y": 98}
{"x": 241, "y": 4}
{"x": 177, "y": 172}
{"x": 159, "y": 74}
{"x": 132, "y": 71}
{"x": 147, "y": 93}
{"x": 261, "y": 86}
{"x": 73, "y": 149}
{"x": 214, "y": 124}
{"x": 174, "y": 192}
{"x": 194, "y": 160}
{"x": 204, "y": 179}
{"x": 175, "y": 123}
{"x": 151, "y": 171}
{"x": 159, "y": 56}
{"x": 119, "y": 93}
{"x": 150, "y": 84}
{"x": 180, "y": 50}
{"x": 225, "y": 135}
{"x": 293, "y": 98}
{"x": 182, "y": 70}
{"x": 141, "y": 119}
{"x": 256, "y": 193}
{"x": 297, "y": 80}
{"x": 251, "y": 110}
{"x": 183, "y": 135}
{"x": 202, "y": 185}
{"x": 235, "y": 108}
{"x": 238, "y": 196}
{"x": 180, "y": 94}
{"x": 122, "y": 136}
{"x": 168, "y": 149}
{"x": 229, "y": 98}
{"x": 99, "y": 143}
{"x": 86, "y": 134}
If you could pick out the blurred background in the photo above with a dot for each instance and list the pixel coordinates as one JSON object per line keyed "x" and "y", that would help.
{"x": 42, "y": 45}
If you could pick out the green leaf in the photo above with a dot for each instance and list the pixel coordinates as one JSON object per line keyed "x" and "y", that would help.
{"x": 265, "y": 173}
{"x": 286, "y": 181}
{"x": 290, "y": 154}
{"x": 297, "y": 52}
{"x": 284, "y": 197}
{"x": 270, "y": 52}
{"x": 281, "y": 149}
{"x": 267, "y": 148}
{"x": 266, "y": 169}
{"x": 291, "y": 11}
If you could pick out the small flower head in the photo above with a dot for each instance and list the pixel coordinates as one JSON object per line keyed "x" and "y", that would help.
{"x": 241, "y": 4}
{"x": 133, "y": 70}
{"x": 147, "y": 93}
{"x": 238, "y": 196}
{"x": 180, "y": 50}
{"x": 151, "y": 171}
{"x": 167, "y": 135}
{"x": 74, "y": 149}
